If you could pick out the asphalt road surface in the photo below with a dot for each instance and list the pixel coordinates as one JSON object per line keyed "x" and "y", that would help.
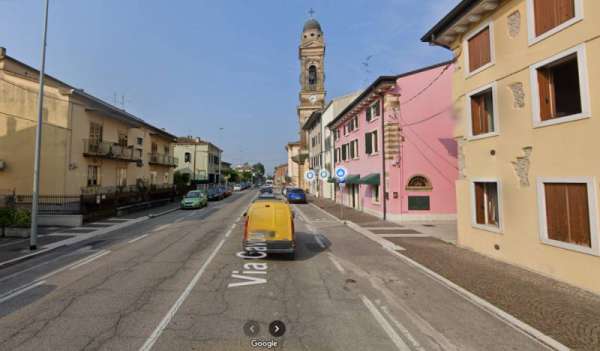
{"x": 177, "y": 282}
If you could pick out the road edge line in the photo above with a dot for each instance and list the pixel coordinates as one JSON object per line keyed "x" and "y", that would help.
{"x": 385, "y": 325}
{"x": 487, "y": 306}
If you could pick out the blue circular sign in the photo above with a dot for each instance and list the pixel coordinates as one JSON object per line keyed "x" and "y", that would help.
{"x": 341, "y": 172}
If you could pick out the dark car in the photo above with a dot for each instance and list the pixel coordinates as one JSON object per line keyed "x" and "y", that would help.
{"x": 266, "y": 189}
{"x": 215, "y": 194}
{"x": 296, "y": 195}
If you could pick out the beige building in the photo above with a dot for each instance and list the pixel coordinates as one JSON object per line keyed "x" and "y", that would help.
{"x": 525, "y": 77}
{"x": 293, "y": 151}
{"x": 87, "y": 143}
{"x": 314, "y": 131}
{"x": 198, "y": 158}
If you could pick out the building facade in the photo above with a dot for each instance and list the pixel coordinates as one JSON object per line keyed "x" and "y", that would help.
{"x": 395, "y": 140}
{"x": 331, "y": 111}
{"x": 198, "y": 158}
{"x": 293, "y": 151}
{"x": 87, "y": 144}
{"x": 280, "y": 174}
{"x": 527, "y": 72}
{"x": 313, "y": 129}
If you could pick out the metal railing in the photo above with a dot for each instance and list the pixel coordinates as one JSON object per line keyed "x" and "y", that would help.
{"x": 55, "y": 204}
{"x": 108, "y": 149}
{"x": 163, "y": 159}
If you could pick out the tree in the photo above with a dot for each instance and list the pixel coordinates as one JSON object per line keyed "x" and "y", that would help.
{"x": 246, "y": 176}
{"x": 181, "y": 179}
{"x": 231, "y": 175}
{"x": 259, "y": 169}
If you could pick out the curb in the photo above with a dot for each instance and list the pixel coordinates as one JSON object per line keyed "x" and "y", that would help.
{"x": 154, "y": 215}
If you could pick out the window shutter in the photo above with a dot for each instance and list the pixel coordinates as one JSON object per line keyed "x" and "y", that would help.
{"x": 545, "y": 88}
{"x": 375, "y": 145}
{"x": 479, "y": 49}
{"x": 368, "y": 114}
{"x": 578, "y": 215}
{"x": 356, "y": 146}
{"x": 479, "y": 203}
{"x": 565, "y": 10}
{"x": 485, "y": 47}
{"x": 556, "y": 212}
{"x": 476, "y": 110}
{"x": 368, "y": 145}
{"x": 377, "y": 107}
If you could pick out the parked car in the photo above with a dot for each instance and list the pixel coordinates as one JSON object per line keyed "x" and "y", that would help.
{"x": 296, "y": 195}
{"x": 215, "y": 194}
{"x": 237, "y": 187}
{"x": 194, "y": 199}
{"x": 226, "y": 191}
{"x": 269, "y": 228}
{"x": 266, "y": 189}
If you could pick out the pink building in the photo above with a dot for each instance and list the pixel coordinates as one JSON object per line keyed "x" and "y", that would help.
{"x": 411, "y": 114}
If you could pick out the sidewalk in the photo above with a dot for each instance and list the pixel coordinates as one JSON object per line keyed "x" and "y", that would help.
{"x": 565, "y": 313}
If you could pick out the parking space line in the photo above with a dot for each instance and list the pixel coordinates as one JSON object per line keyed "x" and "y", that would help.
{"x": 164, "y": 226}
{"x": 385, "y": 325}
{"x": 402, "y": 329}
{"x": 89, "y": 259}
{"x": 138, "y": 238}
{"x": 20, "y": 290}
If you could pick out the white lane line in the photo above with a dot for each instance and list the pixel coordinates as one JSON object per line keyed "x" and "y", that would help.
{"x": 384, "y": 228}
{"x": 14, "y": 242}
{"x": 320, "y": 241}
{"x": 138, "y": 238}
{"x": 396, "y": 339}
{"x": 20, "y": 290}
{"x": 509, "y": 319}
{"x": 89, "y": 259}
{"x": 188, "y": 289}
{"x": 164, "y": 226}
{"x": 403, "y": 235}
{"x": 403, "y": 330}
{"x": 25, "y": 256}
{"x": 336, "y": 263}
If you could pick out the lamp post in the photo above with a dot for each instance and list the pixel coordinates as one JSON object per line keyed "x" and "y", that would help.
{"x": 220, "y": 153}
{"x": 38, "y": 140}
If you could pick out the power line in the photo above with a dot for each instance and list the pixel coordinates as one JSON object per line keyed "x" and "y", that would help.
{"x": 428, "y": 85}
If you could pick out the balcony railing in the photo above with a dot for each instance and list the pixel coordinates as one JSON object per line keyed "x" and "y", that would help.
{"x": 110, "y": 150}
{"x": 162, "y": 159}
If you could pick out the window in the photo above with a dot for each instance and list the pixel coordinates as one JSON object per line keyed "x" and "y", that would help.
{"x": 373, "y": 111}
{"x": 482, "y": 111}
{"x": 418, "y": 182}
{"x": 335, "y": 155}
{"x": 486, "y": 202}
{"x": 419, "y": 203}
{"x": 371, "y": 146}
{"x": 355, "y": 144}
{"x": 122, "y": 139}
{"x": 312, "y": 77}
{"x": 95, "y": 133}
{"x": 351, "y": 147}
{"x": 479, "y": 49}
{"x": 140, "y": 141}
{"x": 92, "y": 176}
{"x": 559, "y": 88}
{"x": 121, "y": 176}
{"x": 166, "y": 149}
{"x": 551, "y": 16}
{"x": 375, "y": 193}
{"x": 344, "y": 152}
{"x": 154, "y": 148}
{"x": 567, "y": 213}
{"x": 187, "y": 157}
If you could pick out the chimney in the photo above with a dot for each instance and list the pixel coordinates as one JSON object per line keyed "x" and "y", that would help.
{"x": 2, "y": 52}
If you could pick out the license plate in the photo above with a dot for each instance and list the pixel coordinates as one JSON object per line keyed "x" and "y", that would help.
{"x": 262, "y": 235}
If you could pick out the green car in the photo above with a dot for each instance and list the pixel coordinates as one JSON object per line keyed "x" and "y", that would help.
{"x": 194, "y": 199}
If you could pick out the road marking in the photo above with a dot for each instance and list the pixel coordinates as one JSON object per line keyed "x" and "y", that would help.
{"x": 488, "y": 307}
{"x": 188, "y": 289}
{"x": 403, "y": 235}
{"x": 320, "y": 241}
{"x": 402, "y": 329}
{"x": 164, "y": 226}
{"x": 138, "y": 238}
{"x": 89, "y": 259}
{"x": 396, "y": 339}
{"x": 336, "y": 263}
{"x": 383, "y": 228}
{"x": 327, "y": 213}
{"x": 14, "y": 242}
{"x": 20, "y": 290}
{"x": 25, "y": 256}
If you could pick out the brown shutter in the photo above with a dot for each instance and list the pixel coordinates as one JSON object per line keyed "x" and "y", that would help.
{"x": 544, "y": 15}
{"x": 565, "y": 10}
{"x": 479, "y": 203}
{"x": 545, "y": 93}
{"x": 474, "y": 49}
{"x": 479, "y": 49}
{"x": 476, "y": 116}
{"x": 556, "y": 211}
{"x": 485, "y": 51}
{"x": 579, "y": 220}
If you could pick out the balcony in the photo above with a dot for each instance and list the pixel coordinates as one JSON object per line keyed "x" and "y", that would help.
{"x": 162, "y": 160}
{"x": 110, "y": 150}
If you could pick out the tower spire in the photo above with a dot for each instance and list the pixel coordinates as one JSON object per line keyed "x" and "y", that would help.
{"x": 311, "y": 13}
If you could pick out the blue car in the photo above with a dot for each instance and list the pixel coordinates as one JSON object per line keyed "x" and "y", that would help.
{"x": 296, "y": 195}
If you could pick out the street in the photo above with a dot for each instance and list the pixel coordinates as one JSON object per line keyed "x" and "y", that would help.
{"x": 177, "y": 282}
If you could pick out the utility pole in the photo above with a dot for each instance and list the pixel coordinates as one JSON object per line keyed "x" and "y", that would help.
{"x": 38, "y": 140}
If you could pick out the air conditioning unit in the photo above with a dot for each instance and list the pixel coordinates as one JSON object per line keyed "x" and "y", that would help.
{"x": 2, "y": 165}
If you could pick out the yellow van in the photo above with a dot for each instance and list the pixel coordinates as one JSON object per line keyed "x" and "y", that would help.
{"x": 269, "y": 228}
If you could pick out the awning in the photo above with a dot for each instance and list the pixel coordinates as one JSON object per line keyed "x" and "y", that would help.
{"x": 332, "y": 180}
{"x": 371, "y": 179}
{"x": 353, "y": 179}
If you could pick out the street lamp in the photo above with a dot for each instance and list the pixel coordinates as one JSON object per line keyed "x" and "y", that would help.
{"x": 38, "y": 140}
{"x": 220, "y": 153}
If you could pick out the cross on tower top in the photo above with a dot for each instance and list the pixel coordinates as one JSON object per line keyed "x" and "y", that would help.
{"x": 311, "y": 12}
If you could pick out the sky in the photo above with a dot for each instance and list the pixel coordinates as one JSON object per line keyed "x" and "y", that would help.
{"x": 226, "y": 71}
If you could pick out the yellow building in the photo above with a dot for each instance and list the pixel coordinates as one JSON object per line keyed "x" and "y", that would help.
{"x": 87, "y": 143}
{"x": 528, "y": 133}
{"x": 199, "y": 159}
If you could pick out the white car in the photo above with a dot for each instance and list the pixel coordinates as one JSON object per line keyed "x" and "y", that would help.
{"x": 237, "y": 187}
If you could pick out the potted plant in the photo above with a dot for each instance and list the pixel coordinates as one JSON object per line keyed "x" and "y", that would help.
{"x": 15, "y": 222}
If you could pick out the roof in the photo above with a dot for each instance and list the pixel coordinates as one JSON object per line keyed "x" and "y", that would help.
{"x": 312, "y": 24}
{"x": 379, "y": 81}
{"x": 312, "y": 120}
{"x": 188, "y": 140}
{"x": 112, "y": 110}
{"x": 450, "y": 18}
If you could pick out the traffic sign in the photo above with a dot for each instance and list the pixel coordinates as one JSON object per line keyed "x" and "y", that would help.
{"x": 324, "y": 174}
{"x": 310, "y": 175}
{"x": 341, "y": 172}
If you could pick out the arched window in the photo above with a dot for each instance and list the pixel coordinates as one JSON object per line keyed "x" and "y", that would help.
{"x": 312, "y": 76}
{"x": 418, "y": 182}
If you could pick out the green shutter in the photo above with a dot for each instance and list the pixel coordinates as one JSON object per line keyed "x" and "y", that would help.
{"x": 368, "y": 149}
{"x": 368, "y": 117}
